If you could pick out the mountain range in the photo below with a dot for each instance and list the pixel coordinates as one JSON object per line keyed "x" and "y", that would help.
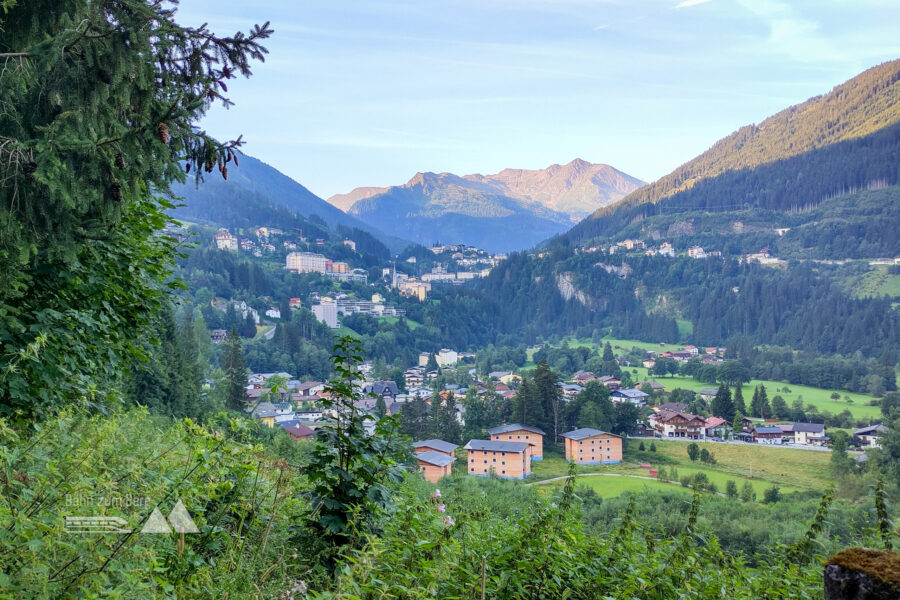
{"x": 510, "y": 210}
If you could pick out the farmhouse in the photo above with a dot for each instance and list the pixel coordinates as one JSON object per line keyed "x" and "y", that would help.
{"x": 509, "y": 460}
{"x": 716, "y": 427}
{"x": 679, "y": 424}
{"x": 767, "y": 435}
{"x": 593, "y": 447}
{"x": 868, "y": 436}
{"x": 434, "y": 465}
{"x": 636, "y": 397}
{"x": 807, "y": 434}
{"x": 533, "y": 436}
{"x": 434, "y": 446}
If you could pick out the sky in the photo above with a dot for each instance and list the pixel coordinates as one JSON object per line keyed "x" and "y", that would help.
{"x": 367, "y": 93}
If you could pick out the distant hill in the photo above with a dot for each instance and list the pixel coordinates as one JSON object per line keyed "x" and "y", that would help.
{"x": 511, "y": 210}
{"x": 846, "y": 140}
{"x": 257, "y": 194}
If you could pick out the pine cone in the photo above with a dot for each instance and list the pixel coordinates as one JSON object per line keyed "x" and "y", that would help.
{"x": 116, "y": 191}
{"x": 187, "y": 168}
{"x": 225, "y": 173}
{"x": 162, "y": 130}
{"x": 120, "y": 161}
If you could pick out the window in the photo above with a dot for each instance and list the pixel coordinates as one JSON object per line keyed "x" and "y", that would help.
{"x": 580, "y": 443}
{"x": 518, "y": 437}
{"x": 503, "y": 472}
{"x": 423, "y": 469}
{"x": 503, "y": 462}
{"x": 485, "y": 462}
{"x": 495, "y": 460}
{"x": 526, "y": 437}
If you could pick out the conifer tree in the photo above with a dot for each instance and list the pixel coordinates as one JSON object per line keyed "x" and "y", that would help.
{"x": 100, "y": 108}
{"x": 738, "y": 400}
{"x": 722, "y": 405}
{"x": 759, "y": 405}
{"x": 235, "y": 372}
{"x": 550, "y": 398}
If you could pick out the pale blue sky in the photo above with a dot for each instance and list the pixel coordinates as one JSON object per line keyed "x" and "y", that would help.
{"x": 358, "y": 92}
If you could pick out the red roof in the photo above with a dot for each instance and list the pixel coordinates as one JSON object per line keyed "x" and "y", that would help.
{"x": 714, "y": 422}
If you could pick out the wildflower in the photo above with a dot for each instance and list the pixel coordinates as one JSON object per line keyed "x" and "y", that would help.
{"x": 436, "y": 494}
{"x": 449, "y": 521}
{"x": 441, "y": 508}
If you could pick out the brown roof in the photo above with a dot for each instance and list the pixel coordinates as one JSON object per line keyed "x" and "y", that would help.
{"x": 300, "y": 431}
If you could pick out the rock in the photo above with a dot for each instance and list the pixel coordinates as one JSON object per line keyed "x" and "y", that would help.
{"x": 863, "y": 574}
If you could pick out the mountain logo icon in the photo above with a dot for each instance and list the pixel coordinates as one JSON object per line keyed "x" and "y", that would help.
{"x": 179, "y": 521}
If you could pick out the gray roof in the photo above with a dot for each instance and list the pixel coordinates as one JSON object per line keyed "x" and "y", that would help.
{"x": 497, "y": 446}
{"x": 767, "y": 430}
{"x": 436, "y": 444}
{"x": 708, "y": 391}
{"x": 630, "y": 393}
{"x": 870, "y": 430}
{"x": 515, "y": 427}
{"x": 808, "y": 427}
{"x": 435, "y": 458}
{"x": 585, "y": 432}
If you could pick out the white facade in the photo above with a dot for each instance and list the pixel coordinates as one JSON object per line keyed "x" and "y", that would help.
{"x": 326, "y": 312}
{"x": 305, "y": 262}
{"x": 447, "y": 358}
{"x": 226, "y": 241}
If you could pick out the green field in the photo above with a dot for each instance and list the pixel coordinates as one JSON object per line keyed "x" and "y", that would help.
{"x": 610, "y": 487}
{"x": 817, "y": 397}
{"x": 877, "y": 282}
{"x": 393, "y": 321}
{"x": 790, "y": 469}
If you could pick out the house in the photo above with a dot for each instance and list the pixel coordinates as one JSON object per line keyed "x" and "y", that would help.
{"x": 693, "y": 350}
{"x": 612, "y": 383}
{"x": 414, "y": 376}
{"x": 497, "y": 375}
{"x": 385, "y": 389}
{"x": 593, "y": 447}
{"x": 716, "y": 427}
{"x": 308, "y": 415}
{"x": 434, "y": 465}
{"x": 308, "y": 389}
{"x": 434, "y": 446}
{"x": 648, "y": 363}
{"x": 295, "y": 303}
{"x": 672, "y": 407}
{"x": 767, "y": 435}
{"x": 696, "y": 252}
{"x": 510, "y": 378}
{"x": 270, "y": 413}
{"x": 583, "y": 376}
{"x": 569, "y": 390}
{"x": 868, "y": 436}
{"x": 808, "y": 434}
{"x": 509, "y": 460}
{"x": 218, "y": 335}
{"x": 225, "y": 241}
{"x": 708, "y": 393}
{"x": 678, "y": 425}
{"x": 533, "y": 436}
{"x": 651, "y": 386}
{"x": 636, "y": 397}
{"x": 298, "y": 430}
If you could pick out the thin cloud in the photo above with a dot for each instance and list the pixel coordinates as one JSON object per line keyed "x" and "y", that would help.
{"x": 688, "y": 3}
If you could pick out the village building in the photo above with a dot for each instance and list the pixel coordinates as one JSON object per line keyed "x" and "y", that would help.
{"x": 868, "y": 436}
{"x": 583, "y": 376}
{"x": 708, "y": 393}
{"x": 716, "y": 427}
{"x": 807, "y": 434}
{"x": 636, "y": 397}
{"x": 588, "y": 446}
{"x": 509, "y": 460}
{"x": 434, "y": 465}
{"x": 533, "y": 436}
{"x": 612, "y": 383}
{"x": 678, "y": 425}
{"x": 305, "y": 262}
{"x": 225, "y": 241}
{"x": 326, "y": 312}
{"x": 767, "y": 435}
{"x": 434, "y": 446}
{"x": 297, "y": 430}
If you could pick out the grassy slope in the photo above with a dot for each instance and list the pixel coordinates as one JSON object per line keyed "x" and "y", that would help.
{"x": 810, "y": 395}
{"x": 792, "y": 470}
{"x": 818, "y": 397}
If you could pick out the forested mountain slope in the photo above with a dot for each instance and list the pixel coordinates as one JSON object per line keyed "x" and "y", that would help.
{"x": 846, "y": 140}
{"x": 255, "y": 192}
